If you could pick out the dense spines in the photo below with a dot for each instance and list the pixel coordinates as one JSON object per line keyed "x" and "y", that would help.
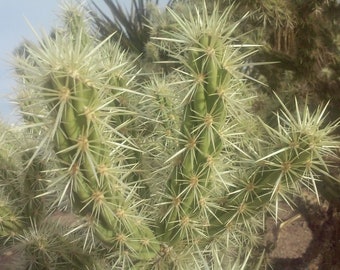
{"x": 22, "y": 180}
{"x": 295, "y": 161}
{"x": 11, "y": 222}
{"x": 31, "y": 234}
{"x": 204, "y": 117}
{"x": 89, "y": 143}
{"x": 151, "y": 171}
{"x": 207, "y": 110}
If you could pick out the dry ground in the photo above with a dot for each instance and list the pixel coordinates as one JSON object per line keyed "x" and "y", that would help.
{"x": 308, "y": 238}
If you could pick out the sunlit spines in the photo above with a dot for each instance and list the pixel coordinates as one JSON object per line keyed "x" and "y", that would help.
{"x": 295, "y": 162}
{"x": 163, "y": 167}
{"x": 77, "y": 94}
{"x": 204, "y": 117}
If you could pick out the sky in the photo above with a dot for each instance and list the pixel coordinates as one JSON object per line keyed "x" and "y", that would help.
{"x": 14, "y": 28}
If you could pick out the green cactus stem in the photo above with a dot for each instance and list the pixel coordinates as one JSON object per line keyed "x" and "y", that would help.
{"x": 79, "y": 97}
{"x": 303, "y": 142}
{"x": 204, "y": 43}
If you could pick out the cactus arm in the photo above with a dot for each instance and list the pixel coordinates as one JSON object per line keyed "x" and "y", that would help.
{"x": 296, "y": 161}
{"x": 94, "y": 155}
{"x": 203, "y": 118}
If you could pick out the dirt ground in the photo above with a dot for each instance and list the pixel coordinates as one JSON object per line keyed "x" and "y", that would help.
{"x": 307, "y": 238}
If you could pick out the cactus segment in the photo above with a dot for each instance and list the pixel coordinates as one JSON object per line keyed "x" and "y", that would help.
{"x": 294, "y": 163}
{"x": 203, "y": 118}
{"x": 82, "y": 133}
{"x": 10, "y": 224}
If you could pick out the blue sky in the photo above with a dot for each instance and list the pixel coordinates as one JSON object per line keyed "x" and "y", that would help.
{"x": 42, "y": 15}
{"x": 13, "y": 30}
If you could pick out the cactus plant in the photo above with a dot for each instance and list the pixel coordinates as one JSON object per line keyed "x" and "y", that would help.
{"x": 120, "y": 167}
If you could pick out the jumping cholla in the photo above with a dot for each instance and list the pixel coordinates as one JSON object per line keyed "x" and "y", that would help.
{"x": 158, "y": 161}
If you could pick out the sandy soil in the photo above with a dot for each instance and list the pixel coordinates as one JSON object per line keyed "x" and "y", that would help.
{"x": 307, "y": 238}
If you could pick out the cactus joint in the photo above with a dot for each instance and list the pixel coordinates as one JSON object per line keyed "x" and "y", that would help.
{"x": 83, "y": 143}
{"x": 64, "y": 94}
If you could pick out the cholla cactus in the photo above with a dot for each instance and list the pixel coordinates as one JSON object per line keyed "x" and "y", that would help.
{"x": 150, "y": 171}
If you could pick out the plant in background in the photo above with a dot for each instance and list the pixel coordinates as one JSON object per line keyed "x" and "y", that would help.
{"x": 132, "y": 28}
{"x": 122, "y": 169}
{"x": 303, "y": 36}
